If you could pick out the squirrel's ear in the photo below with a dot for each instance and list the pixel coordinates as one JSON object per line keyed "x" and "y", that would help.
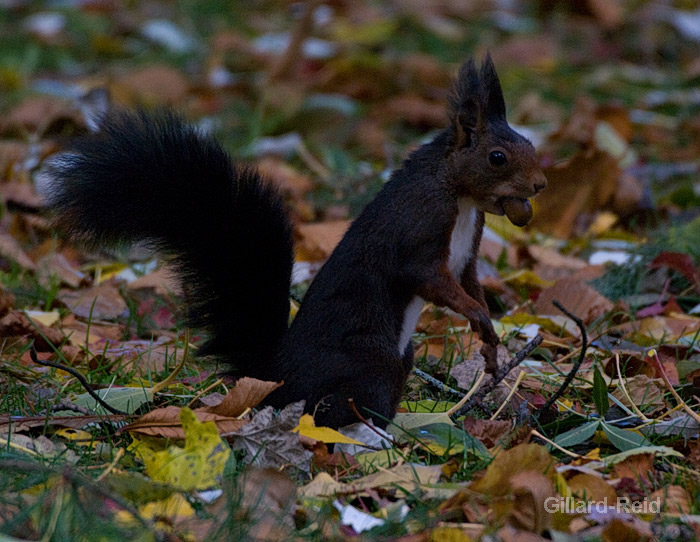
{"x": 491, "y": 99}
{"x": 465, "y": 105}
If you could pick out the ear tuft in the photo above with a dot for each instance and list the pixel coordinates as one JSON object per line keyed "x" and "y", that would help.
{"x": 464, "y": 104}
{"x": 491, "y": 95}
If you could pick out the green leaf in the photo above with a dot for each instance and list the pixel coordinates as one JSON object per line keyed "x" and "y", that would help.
{"x": 577, "y": 435}
{"x": 445, "y": 438}
{"x": 600, "y": 393}
{"x": 624, "y": 439}
{"x": 661, "y": 451}
{"x": 124, "y": 399}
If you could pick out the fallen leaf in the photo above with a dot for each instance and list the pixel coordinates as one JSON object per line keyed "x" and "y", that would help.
{"x": 199, "y": 465}
{"x": 101, "y": 302}
{"x": 530, "y": 492}
{"x": 307, "y": 427}
{"x": 166, "y": 422}
{"x": 269, "y": 440}
{"x": 317, "y": 241}
{"x": 247, "y": 393}
{"x": 576, "y": 296}
{"x": 508, "y": 463}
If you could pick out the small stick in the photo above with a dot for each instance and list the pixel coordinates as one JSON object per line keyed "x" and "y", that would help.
{"x": 577, "y": 365}
{"x": 435, "y": 382}
{"x": 78, "y": 375}
{"x": 499, "y": 376}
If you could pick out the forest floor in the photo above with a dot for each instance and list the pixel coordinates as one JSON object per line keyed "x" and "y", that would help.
{"x": 326, "y": 99}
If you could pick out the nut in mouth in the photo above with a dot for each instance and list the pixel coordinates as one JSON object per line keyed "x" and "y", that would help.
{"x": 518, "y": 210}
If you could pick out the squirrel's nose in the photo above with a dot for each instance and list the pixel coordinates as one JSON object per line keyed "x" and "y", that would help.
{"x": 539, "y": 182}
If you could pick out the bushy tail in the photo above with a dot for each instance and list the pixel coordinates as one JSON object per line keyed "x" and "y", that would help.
{"x": 150, "y": 177}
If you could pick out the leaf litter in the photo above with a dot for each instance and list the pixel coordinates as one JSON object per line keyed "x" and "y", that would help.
{"x": 617, "y": 132}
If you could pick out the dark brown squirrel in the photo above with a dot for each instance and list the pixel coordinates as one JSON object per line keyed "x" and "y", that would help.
{"x": 151, "y": 177}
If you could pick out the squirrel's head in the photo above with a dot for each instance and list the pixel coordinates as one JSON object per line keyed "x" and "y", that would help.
{"x": 487, "y": 161}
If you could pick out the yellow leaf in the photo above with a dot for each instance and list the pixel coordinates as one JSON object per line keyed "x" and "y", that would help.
{"x": 554, "y": 324}
{"x": 449, "y": 534}
{"x": 46, "y": 318}
{"x": 174, "y": 508}
{"x": 196, "y": 466}
{"x": 83, "y": 437}
{"x": 528, "y": 278}
{"x": 307, "y": 427}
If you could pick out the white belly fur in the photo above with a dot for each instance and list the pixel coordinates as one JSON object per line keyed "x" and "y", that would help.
{"x": 460, "y": 251}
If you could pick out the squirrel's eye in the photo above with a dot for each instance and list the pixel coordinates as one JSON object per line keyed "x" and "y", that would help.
{"x": 497, "y": 158}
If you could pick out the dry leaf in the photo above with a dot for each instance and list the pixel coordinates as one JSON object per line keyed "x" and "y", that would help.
{"x": 576, "y": 296}
{"x": 158, "y": 84}
{"x": 247, "y": 393}
{"x": 508, "y": 463}
{"x": 165, "y": 422}
{"x": 269, "y": 439}
{"x": 9, "y": 248}
{"x": 674, "y": 499}
{"x": 317, "y": 241}
{"x": 530, "y": 493}
{"x": 101, "y": 302}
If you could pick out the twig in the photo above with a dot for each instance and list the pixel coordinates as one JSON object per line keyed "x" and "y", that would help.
{"x": 677, "y": 397}
{"x": 510, "y": 395}
{"x": 78, "y": 375}
{"x": 291, "y": 56}
{"x": 435, "y": 382}
{"x": 552, "y": 443}
{"x": 499, "y": 376}
{"x": 577, "y": 365}
{"x": 469, "y": 394}
{"x": 621, "y": 380}
{"x": 353, "y": 407}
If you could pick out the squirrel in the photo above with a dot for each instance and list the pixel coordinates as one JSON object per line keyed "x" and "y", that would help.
{"x": 148, "y": 176}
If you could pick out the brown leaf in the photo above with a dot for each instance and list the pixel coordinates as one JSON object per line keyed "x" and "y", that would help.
{"x": 101, "y": 302}
{"x": 645, "y": 392}
{"x": 674, "y": 499}
{"x": 592, "y": 488}
{"x": 288, "y": 179}
{"x": 490, "y": 432}
{"x": 157, "y": 84}
{"x": 577, "y": 296}
{"x": 7, "y": 301}
{"x": 622, "y": 531}
{"x": 635, "y": 467}
{"x": 17, "y": 324}
{"x": 247, "y": 393}
{"x": 508, "y": 463}
{"x": 530, "y": 492}
{"x": 584, "y": 184}
{"x": 317, "y": 241}
{"x": 56, "y": 264}
{"x": 165, "y": 422}
{"x": 9, "y": 248}
{"x": 162, "y": 281}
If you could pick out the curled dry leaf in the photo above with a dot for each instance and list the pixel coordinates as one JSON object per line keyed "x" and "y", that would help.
{"x": 247, "y": 393}
{"x": 530, "y": 493}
